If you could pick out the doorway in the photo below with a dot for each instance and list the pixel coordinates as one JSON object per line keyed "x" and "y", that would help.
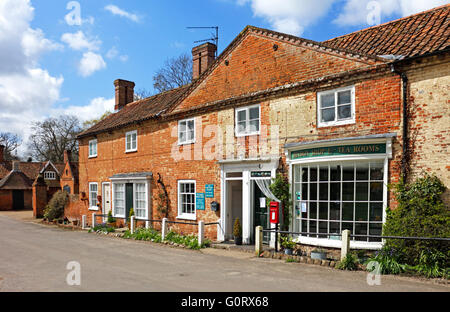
{"x": 261, "y": 212}
{"x": 234, "y": 205}
{"x": 128, "y": 199}
{"x": 106, "y": 199}
{"x": 18, "y": 200}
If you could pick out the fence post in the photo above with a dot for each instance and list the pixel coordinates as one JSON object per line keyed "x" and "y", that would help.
{"x": 147, "y": 224}
{"x": 93, "y": 220}
{"x": 201, "y": 232}
{"x": 258, "y": 240}
{"x": 83, "y": 222}
{"x": 164, "y": 228}
{"x": 345, "y": 244}
{"x": 132, "y": 224}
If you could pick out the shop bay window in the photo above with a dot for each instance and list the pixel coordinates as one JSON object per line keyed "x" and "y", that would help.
{"x": 333, "y": 197}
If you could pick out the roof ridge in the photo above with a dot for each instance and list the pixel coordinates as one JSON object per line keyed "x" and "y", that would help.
{"x": 390, "y": 22}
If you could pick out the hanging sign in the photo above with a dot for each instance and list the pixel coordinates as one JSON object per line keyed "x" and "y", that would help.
{"x": 209, "y": 190}
{"x": 340, "y": 150}
{"x": 200, "y": 201}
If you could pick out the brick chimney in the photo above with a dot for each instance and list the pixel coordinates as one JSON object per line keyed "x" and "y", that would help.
{"x": 67, "y": 156}
{"x": 16, "y": 166}
{"x": 202, "y": 57}
{"x": 2, "y": 151}
{"x": 124, "y": 93}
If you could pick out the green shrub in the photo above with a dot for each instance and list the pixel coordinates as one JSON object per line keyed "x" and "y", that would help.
{"x": 55, "y": 208}
{"x": 349, "y": 263}
{"x": 103, "y": 228}
{"x": 189, "y": 241}
{"x": 237, "y": 228}
{"x": 389, "y": 261}
{"x": 420, "y": 213}
{"x": 111, "y": 219}
{"x": 431, "y": 265}
{"x": 287, "y": 242}
{"x": 280, "y": 187}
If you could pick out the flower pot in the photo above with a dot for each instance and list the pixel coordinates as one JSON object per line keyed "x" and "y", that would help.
{"x": 238, "y": 240}
{"x": 319, "y": 255}
{"x": 288, "y": 251}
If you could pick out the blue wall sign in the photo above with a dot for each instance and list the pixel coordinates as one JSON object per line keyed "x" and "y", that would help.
{"x": 200, "y": 201}
{"x": 209, "y": 189}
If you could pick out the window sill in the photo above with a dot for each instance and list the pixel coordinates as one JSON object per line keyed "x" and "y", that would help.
{"x": 131, "y": 151}
{"x": 187, "y": 217}
{"x": 186, "y": 143}
{"x": 336, "y": 123}
{"x": 241, "y": 135}
{"x": 90, "y": 157}
{"x": 93, "y": 209}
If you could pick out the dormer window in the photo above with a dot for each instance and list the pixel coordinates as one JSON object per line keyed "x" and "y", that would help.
{"x": 50, "y": 175}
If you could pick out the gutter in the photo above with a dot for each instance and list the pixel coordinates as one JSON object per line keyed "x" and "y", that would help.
{"x": 405, "y": 157}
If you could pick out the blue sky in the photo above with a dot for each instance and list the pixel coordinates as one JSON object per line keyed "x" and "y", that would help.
{"x": 49, "y": 66}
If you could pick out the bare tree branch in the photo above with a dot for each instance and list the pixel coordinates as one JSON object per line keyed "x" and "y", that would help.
{"x": 11, "y": 142}
{"x": 175, "y": 73}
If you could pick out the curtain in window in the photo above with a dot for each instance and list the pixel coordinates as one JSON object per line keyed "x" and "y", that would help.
{"x": 263, "y": 185}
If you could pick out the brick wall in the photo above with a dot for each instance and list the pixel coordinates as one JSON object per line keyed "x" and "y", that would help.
{"x": 6, "y": 200}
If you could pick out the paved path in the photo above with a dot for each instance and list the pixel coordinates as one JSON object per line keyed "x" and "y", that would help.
{"x": 33, "y": 257}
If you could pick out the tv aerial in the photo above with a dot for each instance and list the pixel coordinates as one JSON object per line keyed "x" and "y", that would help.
{"x": 214, "y": 37}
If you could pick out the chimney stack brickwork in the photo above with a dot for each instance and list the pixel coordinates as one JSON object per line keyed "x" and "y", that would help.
{"x": 2, "y": 151}
{"x": 124, "y": 93}
{"x": 202, "y": 57}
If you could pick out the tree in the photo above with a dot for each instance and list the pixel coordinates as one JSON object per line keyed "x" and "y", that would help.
{"x": 90, "y": 123}
{"x": 11, "y": 142}
{"x": 142, "y": 94}
{"x": 175, "y": 73}
{"x": 54, "y": 135}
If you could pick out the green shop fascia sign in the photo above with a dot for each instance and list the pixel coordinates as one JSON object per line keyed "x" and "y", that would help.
{"x": 357, "y": 149}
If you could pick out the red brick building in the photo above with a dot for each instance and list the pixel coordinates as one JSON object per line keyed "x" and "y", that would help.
{"x": 342, "y": 119}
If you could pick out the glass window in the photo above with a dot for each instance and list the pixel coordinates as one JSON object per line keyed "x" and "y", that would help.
{"x": 186, "y": 199}
{"x": 186, "y": 131}
{"x": 119, "y": 199}
{"x": 340, "y": 196}
{"x": 93, "y": 192}
{"x": 131, "y": 141}
{"x": 50, "y": 175}
{"x": 93, "y": 148}
{"x": 140, "y": 200}
{"x": 248, "y": 120}
{"x": 336, "y": 107}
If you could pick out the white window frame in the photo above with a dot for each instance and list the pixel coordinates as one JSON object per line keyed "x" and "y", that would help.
{"x": 50, "y": 175}
{"x": 96, "y": 148}
{"x": 187, "y": 216}
{"x": 336, "y": 122}
{"x": 145, "y": 217}
{"x": 247, "y": 132}
{"x": 113, "y": 208}
{"x": 95, "y": 208}
{"x": 131, "y": 133}
{"x": 179, "y": 132}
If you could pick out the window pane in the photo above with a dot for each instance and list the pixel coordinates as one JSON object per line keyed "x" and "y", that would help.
{"x": 362, "y": 172}
{"x": 335, "y": 211}
{"x": 242, "y": 127}
{"x": 349, "y": 173}
{"x": 335, "y": 191}
{"x": 347, "y": 211}
{"x": 242, "y": 115}
{"x": 254, "y": 113}
{"x": 323, "y": 191}
{"x": 376, "y": 171}
{"x": 323, "y": 211}
{"x": 313, "y": 210}
{"x": 376, "y": 191}
{"x": 361, "y": 229}
{"x": 254, "y": 126}
{"x": 335, "y": 173}
{"x": 305, "y": 174}
{"x": 344, "y": 111}
{"x": 375, "y": 229}
{"x": 190, "y": 135}
{"x": 328, "y": 114}
{"x": 345, "y": 97}
{"x": 376, "y": 212}
{"x": 191, "y": 125}
{"x": 313, "y": 173}
{"x": 323, "y": 173}
{"x": 335, "y": 228}
{"x": 313, "y": 191}
{"x": 361, "y": 210}
{"x": 327, "y": 100}
{"x": 348, "y": 191}
{"x": 183, "y": 126}
{"x": 304, "y": 191}
{"x": 347, "y": 226}
{"x": 323, "y": 228}
{"x": 362, "y": 191}
{"x": 313, "y": 227}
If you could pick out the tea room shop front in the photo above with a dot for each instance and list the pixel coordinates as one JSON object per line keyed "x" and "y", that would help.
{"x": 338, "y": 185}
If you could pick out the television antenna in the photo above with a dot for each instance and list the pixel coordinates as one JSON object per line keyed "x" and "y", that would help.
{"x": 214, "y": 37}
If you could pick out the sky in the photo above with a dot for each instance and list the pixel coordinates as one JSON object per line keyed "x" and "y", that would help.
{"x": 61, "y": 57}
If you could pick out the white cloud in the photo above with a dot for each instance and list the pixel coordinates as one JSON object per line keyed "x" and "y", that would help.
{"x": 96, "y": 108}
{"x": 115, "y": 10}
{"x": 27, "y": 91}
{"x": 114, "y": 53}
{"x": 78, "y": 41}
{"x": 292, "y": 16}
{"x": 90, "y": 63}
{"x": 356, "y": 12}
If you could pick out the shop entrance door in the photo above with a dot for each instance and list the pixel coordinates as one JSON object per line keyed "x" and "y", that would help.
{"x": 261, "y": 212}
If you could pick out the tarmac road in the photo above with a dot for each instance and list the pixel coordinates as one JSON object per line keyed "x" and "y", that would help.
{"x": 34, "y": 257}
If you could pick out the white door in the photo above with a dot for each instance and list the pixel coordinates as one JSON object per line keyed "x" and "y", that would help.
{"x": 106, "y": 198}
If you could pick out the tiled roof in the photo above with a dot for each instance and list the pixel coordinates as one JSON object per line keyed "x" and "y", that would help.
{"x": 30, "y": 169}
{"x": 415, "y": 35}
{"x": 137, "y": 111}
{"x": 16, "y": 180}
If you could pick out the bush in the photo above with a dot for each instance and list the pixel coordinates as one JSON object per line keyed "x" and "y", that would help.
{"x": 55, "y": 208}
{"x": 190, "y": 241}
{"x": 287, "y": 242}
{"x": 111, "y": 219}
{"x": 102, "y": 228}
{"x": 389, "y": 261}
{"x": 237, "y": 229}
{"x": 280, "y": 187}
{"x": 349, "y": 263}
{"x": 420, "y": 213}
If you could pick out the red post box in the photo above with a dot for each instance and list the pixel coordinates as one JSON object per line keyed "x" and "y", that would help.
{"x": 274, "y": 212}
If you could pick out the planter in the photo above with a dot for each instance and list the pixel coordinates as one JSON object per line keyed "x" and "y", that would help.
{"x": 75, "y": 222}
{"x": 238, "y": 241}
{"x": 318, "y": 255}
{"x": 288, "y": 251}
{"x": 112, "y": 224}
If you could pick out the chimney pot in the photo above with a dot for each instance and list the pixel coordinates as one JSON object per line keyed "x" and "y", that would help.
{"x": 202, "y": 57}
{"x": 124, "y": 93}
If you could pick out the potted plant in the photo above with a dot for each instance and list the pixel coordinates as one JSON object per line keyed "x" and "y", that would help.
{"x": 111, "y": 220}
{"x": 237, "y": 232}
{"x": 288, "y": 244}
{"x": 319, "y": 253}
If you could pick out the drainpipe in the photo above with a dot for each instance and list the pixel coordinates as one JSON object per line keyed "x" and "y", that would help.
{"x": 405, "y": 159}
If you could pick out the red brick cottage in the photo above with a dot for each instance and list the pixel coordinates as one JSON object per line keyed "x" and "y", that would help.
{"x": 342, "y": 118}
